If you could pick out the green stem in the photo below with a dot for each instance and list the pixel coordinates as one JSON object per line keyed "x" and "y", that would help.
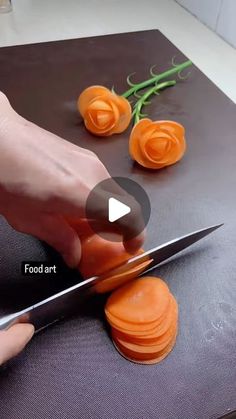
{"x": 157, "y": 78}
{"x": 141, "y": 102}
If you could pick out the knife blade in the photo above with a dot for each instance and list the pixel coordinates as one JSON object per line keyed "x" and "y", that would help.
{"x": 56, "y": 307}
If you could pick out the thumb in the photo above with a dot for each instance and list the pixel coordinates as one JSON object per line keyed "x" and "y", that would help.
{"x": 13, "y": 340}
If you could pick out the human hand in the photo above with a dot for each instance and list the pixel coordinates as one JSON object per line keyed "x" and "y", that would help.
{"x": 45, "y": 180}
{"x": 13, "y": 340}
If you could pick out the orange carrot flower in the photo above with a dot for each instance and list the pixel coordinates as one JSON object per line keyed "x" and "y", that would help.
{"x": 104, "y": 112}
{"x": 157, "y": 144}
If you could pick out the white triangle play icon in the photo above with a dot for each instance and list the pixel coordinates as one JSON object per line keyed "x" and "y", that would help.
{"x": 117, "y": 210}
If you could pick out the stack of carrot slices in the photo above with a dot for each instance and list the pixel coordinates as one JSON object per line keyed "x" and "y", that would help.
{"x": 143, "y": 316}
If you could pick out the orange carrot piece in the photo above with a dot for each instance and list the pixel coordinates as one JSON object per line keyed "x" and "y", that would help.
{"x": 88, "y": 95}
{"x": 141, "y": 301}
{"x": 115, "y": 281}
{"x": 147, "y": 338}
{"x": 161, "y": 332}
{"x": 147, "y": 349}
{"x": 95, "y": 109}
{"x": 145, "y": 358}
{"x": 125, "y": 114}
{"x": 104, "y": 112}
{"x": 100, "y": 255}
{"x": 156, "y": 144}
{"x": 135, "y": 329}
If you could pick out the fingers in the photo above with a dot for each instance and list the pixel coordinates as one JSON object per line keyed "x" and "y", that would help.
{"x": 54, "y": 230}
{"x": 95, "y": 207}
{"x": 134, "y": 244}
{"x": 71, "y": 192}
{"x": 13, "y": 340}
{"x": 131, "y": 227}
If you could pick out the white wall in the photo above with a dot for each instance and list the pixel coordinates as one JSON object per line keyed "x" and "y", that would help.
{"x": 219, "y": 15}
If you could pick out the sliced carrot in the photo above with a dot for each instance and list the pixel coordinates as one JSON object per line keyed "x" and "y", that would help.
{"x": 89, "y": 94}
{"x": 159, "y": 343}
{"x": 145, "y": 358}
{"x": 159, "y": 340}
{"x": 115, "y": 281}
{"x": 125, "y": 114}
{"x": 147, "y": 349}
{"x": 141, "y": 301}
{"x": 159, "y": 333}
{"x": 100, "y": 255}
{"x": 149, "y": 327}
{"x": 134, "y": 329}
{"x": 146, "y": 338}
{"x": 163, "y": 329}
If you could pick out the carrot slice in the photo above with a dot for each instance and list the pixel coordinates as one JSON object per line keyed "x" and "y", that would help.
{"x": 147, "y": 349}
{"x": 159, "y": 340}
{"x": 159, "y": 343}
{"x": 100, "y": 255}
{"x": 148, "y": 326}
{"x": 163, "y": 329}
{"x": 145, "y": 358}
{"x": 125, "y": 112}
{"x": 89, "y": 94}
{"x": 161, "y": 332}
{"x": 141, "y": 301}
{"x": 147, "y": 337}
{"x": 135, "y": 329}
{"x": 115, "y": 281}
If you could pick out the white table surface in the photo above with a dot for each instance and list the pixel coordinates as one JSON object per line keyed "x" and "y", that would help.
{"x": 47, "y": 20}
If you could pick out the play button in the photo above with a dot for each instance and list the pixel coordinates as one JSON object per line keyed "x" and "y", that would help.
{"x": 116, "y": 209}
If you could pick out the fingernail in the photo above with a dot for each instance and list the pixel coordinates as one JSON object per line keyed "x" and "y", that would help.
{"x": 31, "y": 331}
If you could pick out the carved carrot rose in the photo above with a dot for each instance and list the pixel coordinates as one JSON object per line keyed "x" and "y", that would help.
{"x": 156, "y": 144}
{"x": 104, "y": 112}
